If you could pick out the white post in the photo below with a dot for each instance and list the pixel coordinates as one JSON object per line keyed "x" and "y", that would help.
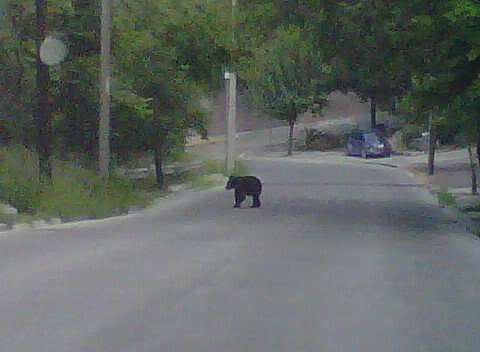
{"x": 105, "y": 82}
{"x": 232, "y": 106}
{"x": 231, "y": 122}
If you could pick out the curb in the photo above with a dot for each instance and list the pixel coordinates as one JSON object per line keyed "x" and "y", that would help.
{"x": 134, "y": 210}
{"x": 463, "y": 219}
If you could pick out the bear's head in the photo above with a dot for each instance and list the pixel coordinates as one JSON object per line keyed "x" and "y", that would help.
{"x": 231, "y": 182}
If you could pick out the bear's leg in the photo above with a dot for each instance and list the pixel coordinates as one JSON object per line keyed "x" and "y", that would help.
{"x": 256, "y": 201}
{"x": 239, "y": 198}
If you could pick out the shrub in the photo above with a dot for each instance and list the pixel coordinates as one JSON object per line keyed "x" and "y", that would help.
{"x": 319, "y": 140}
{"x": 410, "y": 132}
{"x": 310, "y": 136}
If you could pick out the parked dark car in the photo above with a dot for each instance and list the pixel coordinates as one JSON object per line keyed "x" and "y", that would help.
{"x": 367, "y": 144}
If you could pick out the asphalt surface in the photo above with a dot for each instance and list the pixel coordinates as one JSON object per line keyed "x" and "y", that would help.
{"x": 339, "y": 258}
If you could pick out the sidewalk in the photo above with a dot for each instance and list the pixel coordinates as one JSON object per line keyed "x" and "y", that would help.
{"x": 452, "y": 170}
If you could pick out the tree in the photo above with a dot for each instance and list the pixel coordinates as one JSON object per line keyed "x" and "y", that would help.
{"x": 164, "y": 65}
{"x": 373, "y": 51}
{"x": 446, "y": 77}
{"x": 17, "y": 72}
{"x": 283, "y": 78}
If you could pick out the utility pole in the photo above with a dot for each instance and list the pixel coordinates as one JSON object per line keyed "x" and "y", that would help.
{"x": 232, "y": 104}
{"x": 105, "y": 82}
{"x": 431, "y": 144}
{"x": 42, "y": 98}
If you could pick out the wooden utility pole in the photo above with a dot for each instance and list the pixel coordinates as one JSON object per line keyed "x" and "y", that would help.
{"x": 105, "y": 82}
{"x": 42, "y": 97}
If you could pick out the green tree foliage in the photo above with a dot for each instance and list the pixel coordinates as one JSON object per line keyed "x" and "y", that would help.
{"x": 17, "y": 71}
{"x": 167, "y": 57}
{"x": 283, "y": 77}
{"x": 447, "y": 79}
{"x": 289, "y": 54}
{"x": 166, "y": 60}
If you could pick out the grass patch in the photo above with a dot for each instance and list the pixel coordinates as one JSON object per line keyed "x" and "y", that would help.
{"x": 207, "y": 181}
{"x": 11, "y": 219}
{"x": 209, "y": 174}
{"x": 240, "y": 168}
{"x": 445, "y": 198}
{"x": 74, "y": 192}
{"x": 211, "y": 167}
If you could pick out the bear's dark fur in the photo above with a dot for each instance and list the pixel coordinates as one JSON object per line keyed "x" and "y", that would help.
{"x": 245, "y": 186}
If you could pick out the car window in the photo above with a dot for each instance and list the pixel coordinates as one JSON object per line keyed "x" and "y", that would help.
{"x": 371, "y": 138}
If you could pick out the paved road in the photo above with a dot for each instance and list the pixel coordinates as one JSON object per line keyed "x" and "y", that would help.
{"x": 339, "y": 258}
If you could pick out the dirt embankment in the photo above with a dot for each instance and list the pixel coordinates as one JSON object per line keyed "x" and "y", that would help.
{"x": 340, "y": 106}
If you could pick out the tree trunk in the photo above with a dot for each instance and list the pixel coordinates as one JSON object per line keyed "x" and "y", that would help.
{"x": 431, "y": 156}
{"x": 105, "y": 98}
{"x": 158, "y": 165}
{"x": 42, "y": 85}
{"x": 473, "y": 168}
{"x": 478, "y": 149}
{"x": 393, "y": 107}
{"x": 373, "y": 112}
{"x": 291, "y": 123}
{"x": 431, "y": 148}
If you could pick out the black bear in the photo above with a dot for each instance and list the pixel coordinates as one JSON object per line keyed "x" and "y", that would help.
{"x": 245, "y": 186}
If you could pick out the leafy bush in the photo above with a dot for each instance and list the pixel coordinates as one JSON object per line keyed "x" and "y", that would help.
{"x": 410, "y": 132}
{"x": 319, "y": 140}
{"x": 310, "y": 136}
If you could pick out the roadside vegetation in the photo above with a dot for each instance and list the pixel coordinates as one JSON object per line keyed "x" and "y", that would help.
{"x": 77, "y": 192}
{"x": 419, "y": 60}
{"x": 322, "y": 141}
{"x": 74, "y": 192}
{"x": 446, "y": 199}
